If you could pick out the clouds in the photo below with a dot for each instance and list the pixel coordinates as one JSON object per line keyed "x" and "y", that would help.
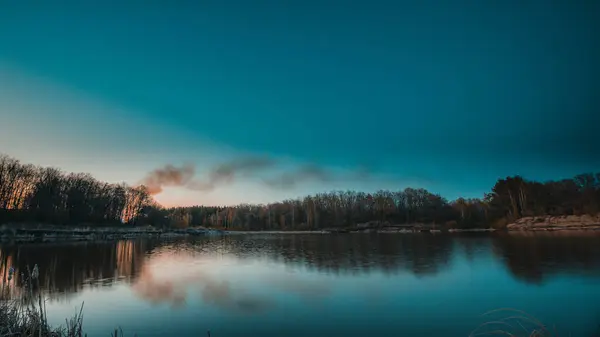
{"x": 267, "y": 171}
{"x": 50, "y": 124}
{"x": 168, "y": 176}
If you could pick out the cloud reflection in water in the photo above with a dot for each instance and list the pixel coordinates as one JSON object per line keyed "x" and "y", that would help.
{"x": 226, "y": 283}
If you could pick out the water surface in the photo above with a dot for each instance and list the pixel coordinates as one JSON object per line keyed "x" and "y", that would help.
{"x": 318, "y": 285}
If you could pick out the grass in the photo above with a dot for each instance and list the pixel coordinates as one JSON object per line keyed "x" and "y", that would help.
{"x": 26, "y": 317}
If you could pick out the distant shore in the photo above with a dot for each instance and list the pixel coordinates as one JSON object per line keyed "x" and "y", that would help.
{"x": 49, "y": 233}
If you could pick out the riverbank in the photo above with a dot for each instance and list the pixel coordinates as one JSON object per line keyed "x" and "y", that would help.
{"x": 44, "y": 233}
{"x": 556, "y": 223}
{"x": 17, "y": 233}
{"x": 48, "y": 233}
{"x": 372, "y": 227}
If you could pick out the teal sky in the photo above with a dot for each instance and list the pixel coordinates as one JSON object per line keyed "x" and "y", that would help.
{"x": 446, "y": 95}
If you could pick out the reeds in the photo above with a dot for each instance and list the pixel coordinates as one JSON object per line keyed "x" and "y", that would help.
{"x": 25, "y": 316}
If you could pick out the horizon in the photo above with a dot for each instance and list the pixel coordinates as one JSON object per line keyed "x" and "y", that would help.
{"x": 369, "y": 193}
{"x": 382, "y": 96}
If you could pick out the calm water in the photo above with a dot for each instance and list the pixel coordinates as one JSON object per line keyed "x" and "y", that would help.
{"x": 318, "y": 285}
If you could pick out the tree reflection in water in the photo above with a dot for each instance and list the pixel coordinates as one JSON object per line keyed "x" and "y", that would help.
{"x": 536, "y": 257}
{"x": 66, "y": 268}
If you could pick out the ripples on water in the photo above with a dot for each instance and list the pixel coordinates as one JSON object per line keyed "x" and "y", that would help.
{"x": 301, "y": 285}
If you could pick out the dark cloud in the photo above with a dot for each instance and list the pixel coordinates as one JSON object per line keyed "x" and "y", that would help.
{"x": 289, "y": 180}
{"x": 168, "y": 176}
{"x": 226, "y": 173}
{"x": 311, "y": 173}
{"x": 263, "y": 168}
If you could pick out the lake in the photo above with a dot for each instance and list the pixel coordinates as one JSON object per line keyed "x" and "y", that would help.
{"x": 318, "y": 285}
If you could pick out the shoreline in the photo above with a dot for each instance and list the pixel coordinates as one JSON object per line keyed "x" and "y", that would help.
{"x": 36, "y": 233}
{"x": 42, "y": 233}
{"x": 48, "y": 234}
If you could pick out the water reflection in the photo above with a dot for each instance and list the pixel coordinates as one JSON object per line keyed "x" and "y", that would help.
{"x": 68, "y": 268}
{"x": 537, "y": 257}
{"x": 169, "y": 276}
{"x": 164, "y": 272}
{"x": 348, "y": 254}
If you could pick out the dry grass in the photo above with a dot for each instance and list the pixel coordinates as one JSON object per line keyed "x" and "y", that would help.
{"x": 26, "y": 316}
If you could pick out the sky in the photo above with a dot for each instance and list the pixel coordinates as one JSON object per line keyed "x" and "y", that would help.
{"x": 444, "y": 95}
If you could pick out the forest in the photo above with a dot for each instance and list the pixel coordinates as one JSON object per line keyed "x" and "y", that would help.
{"x": 47, "y": 195}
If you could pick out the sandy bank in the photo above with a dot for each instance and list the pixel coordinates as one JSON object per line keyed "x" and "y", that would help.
{"x": 554, "y": 223}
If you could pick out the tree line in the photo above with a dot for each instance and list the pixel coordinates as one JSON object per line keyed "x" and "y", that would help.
{"x": 509, "y": 199}
{"x": 47, "y": 195}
